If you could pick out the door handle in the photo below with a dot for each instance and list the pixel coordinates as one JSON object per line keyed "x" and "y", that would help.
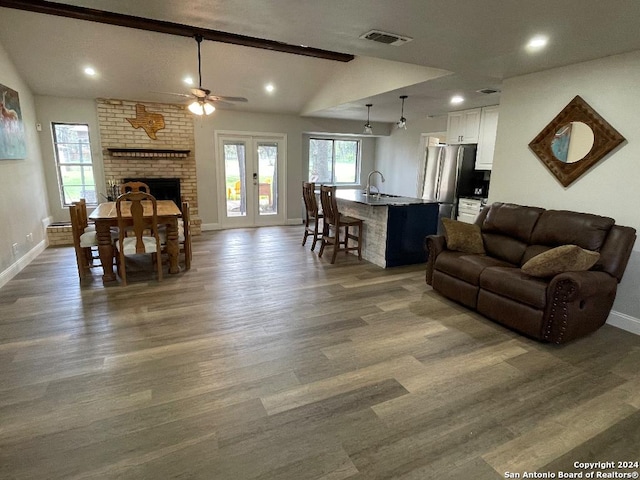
{"x": 255, "y": 178}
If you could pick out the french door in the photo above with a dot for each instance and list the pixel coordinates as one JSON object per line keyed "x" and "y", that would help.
{"x": 251, "y": 179}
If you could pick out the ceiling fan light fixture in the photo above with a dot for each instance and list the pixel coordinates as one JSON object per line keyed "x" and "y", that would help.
{"x": 402, "y": 123}
{"x": 201, "y": 108}
{"x": 368, "y": 130}
{"x": 196, "y": 108}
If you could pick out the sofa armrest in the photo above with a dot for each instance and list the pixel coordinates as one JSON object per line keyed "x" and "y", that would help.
{"x": 433, "y": 244}
{"x": 578, "y": 303}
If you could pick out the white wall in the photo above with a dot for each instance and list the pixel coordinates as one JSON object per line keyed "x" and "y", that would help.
{"x": 398, "y": 156}
{"x": 293, "y": 126}
{"x": 66, "y": 110}
{"x": 23, "y": 201}
{"x": 611, "y": 188}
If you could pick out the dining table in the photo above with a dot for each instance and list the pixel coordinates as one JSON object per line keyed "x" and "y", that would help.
{"x": 105, "y": 217}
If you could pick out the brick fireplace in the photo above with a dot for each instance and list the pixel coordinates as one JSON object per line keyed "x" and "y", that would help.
{"x": 130, "y": 153}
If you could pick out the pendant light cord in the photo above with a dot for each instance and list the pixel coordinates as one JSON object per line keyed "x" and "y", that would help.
{"x": 199, "y": 40}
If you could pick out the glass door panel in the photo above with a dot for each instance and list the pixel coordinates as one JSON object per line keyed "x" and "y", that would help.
{"x": 235, "y": 167}
{"x": 267, "y": 178}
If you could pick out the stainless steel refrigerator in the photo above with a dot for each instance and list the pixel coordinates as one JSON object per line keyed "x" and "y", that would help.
{"x": 447, "y": 174}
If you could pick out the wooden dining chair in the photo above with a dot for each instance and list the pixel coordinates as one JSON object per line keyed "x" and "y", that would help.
{"x": 134, "y": 187}
{"x": 143, "y": 228}
{"x": 333, "y": 222}
{"x": 82, "y": 242}
{"x": 312, "y": 216}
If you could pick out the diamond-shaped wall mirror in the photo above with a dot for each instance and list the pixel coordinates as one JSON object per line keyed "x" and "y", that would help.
{"x": 574, "y": 141}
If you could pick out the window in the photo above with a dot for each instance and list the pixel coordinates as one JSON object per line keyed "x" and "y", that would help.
{"x": 74, "y": 164}
{"x": 334, "y": 161}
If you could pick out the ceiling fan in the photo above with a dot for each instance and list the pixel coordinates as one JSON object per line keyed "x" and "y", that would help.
{"x": 203, "y": 103}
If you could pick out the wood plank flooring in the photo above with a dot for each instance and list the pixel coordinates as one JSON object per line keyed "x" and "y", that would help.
{"x": 265, "y": 362}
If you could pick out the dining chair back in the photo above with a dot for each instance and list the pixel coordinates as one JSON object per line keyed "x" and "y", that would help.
{"x": 85, "y": 241}
{"x": 81, "y": 253}
{"x": 312, "y": 214}
{"x": 134, "y": 187}
{"x": 137, "y": 232}
{"x": 83, "y": 217}
{"x": 334, "y": 221}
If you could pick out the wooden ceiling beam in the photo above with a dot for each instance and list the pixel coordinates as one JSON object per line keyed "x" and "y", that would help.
{"x": 160, "y": 26}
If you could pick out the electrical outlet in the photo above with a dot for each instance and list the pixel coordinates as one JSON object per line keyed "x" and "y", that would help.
{"x": 14, "y": 248}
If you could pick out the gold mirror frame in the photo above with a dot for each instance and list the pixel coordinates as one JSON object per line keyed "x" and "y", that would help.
{"x": 606, "y": 139}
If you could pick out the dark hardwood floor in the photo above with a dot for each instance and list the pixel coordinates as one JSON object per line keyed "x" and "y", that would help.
{"x": 265, "y": 362}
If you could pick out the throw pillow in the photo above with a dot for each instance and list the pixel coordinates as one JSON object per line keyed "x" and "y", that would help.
{"x": 566, "y": 258}
{"x": 462, "y": 237}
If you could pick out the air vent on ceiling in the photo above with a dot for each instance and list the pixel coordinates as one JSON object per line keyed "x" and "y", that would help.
{"x": 488, "y": 91}
{"x": 386, "y": 38}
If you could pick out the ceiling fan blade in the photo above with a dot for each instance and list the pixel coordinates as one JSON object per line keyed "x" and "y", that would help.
{"x": 200, "y": 92}
{"x": 216, "y": 98}
{"x": 176, "y": 94}
{"x": 220, "y": 103}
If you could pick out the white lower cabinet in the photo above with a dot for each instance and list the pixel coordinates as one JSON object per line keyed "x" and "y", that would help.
{"x": 468, "y": 209}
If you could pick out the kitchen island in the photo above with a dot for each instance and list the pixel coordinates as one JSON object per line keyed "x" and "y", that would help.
{"x": 394, "y": 226}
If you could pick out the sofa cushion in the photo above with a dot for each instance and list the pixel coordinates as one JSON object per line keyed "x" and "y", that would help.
{"x": 515, "y": 221}
{"x": 504, "y": 248}
{"x": 566, "y": 258}
{"x": 561, "y": 227}
{"x": 466, "y": 267}
{"x": 462, "y": 237}
{"x": 512, "y": 283}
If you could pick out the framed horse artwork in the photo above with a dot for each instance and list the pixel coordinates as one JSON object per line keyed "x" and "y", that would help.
{"x": 12, "y": 140}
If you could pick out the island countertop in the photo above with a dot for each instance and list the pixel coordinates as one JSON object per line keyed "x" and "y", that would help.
{"x": 375, "y": 199}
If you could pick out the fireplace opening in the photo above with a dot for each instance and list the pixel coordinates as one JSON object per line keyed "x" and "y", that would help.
{"x": 161, "y": 188}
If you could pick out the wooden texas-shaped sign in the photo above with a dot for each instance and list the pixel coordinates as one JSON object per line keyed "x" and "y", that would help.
{"x": 149, "y": 122}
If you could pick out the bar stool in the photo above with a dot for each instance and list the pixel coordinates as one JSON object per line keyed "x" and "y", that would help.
{"x": 312, "y": 215}
{"x": 334, "y": 221}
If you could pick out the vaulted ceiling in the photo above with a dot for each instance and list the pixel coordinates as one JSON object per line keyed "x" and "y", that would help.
{"x": 458, "y": 47}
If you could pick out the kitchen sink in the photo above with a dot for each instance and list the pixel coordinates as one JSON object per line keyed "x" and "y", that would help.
{"x": 380, "y": 195}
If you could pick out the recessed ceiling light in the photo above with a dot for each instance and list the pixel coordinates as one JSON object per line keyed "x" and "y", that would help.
{"x": 269, "y": 87}
{"x": 537, "y": 43}
{"x": 90, "y": 71}
{"x": 188, "y": 80}
{"x": 456, "y": 99}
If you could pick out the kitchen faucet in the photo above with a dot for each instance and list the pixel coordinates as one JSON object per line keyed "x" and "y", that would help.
{"x": 368, "y": 190}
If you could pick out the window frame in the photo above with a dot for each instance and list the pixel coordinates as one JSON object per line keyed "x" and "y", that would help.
{"x": 56, "y": 153}
{"x": 333, "y": 139}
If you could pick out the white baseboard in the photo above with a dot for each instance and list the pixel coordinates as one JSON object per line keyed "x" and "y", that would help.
{"x": 21, "y": 263}
{"x": 207, "y": 227}
{"x": 624, "y": 321}
{"x": 216, "y": 226}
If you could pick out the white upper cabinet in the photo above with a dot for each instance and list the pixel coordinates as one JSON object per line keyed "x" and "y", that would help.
{"x": 464, "y": 126}
{"x": 487, "y": 140}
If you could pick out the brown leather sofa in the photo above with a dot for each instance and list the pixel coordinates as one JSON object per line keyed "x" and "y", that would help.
{"x": 557, "y": 309}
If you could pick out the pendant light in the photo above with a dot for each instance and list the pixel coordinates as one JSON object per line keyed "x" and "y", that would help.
{"x": 403, "y": 121}
{"x": 368, "y": 130}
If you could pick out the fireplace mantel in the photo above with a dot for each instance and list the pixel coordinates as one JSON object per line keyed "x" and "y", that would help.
{"x": 148, "y": 153}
